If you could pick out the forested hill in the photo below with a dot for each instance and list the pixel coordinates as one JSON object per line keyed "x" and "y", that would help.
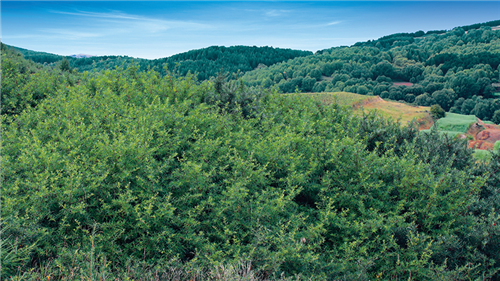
{"x": 457, "y": 69}
{"x": 389, "y": 40}
{"x": 207, "y": 62}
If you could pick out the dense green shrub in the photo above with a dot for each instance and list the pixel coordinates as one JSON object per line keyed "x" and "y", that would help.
{"x": 24, "y": 84}
{"x": 235, "y": 96}
{"x": 136, "y": 168}
{"x": 437, "y": 112}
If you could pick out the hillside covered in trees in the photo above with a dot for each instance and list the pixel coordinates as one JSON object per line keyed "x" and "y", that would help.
{"x": 129, "y": 174}
{"x": 456, "y": 69}
{"x": 205, "y": 62}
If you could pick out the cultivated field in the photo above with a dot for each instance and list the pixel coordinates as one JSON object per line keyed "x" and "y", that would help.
{"x": 455, "y": 124}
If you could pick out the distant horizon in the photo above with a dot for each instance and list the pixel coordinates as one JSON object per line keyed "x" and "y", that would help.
{"x": 158, "y": 29}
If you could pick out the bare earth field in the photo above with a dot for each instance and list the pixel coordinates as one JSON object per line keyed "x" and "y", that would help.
{"x": 407, "y": 84}
{"x": 486, "y": 136}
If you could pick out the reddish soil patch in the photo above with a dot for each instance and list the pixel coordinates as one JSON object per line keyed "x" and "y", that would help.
{"x": 425, "y": 123}
{"x": 491, "y": 126}
{"x": 407, "y": 84}
{"x": 485, "y": 135}
{"x": 475, "y": 128}
{"x": 481, "y": 145}
{"x": 489, "y": 135}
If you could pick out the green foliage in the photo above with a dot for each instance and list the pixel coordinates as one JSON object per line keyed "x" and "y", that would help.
{"x": 482, "y": 155}
{"x": 235, "y": 96}
{"x": 15, "y": 251}
{"x": 131, "y": 167}
{"x": 128, "y": 173}
{"x": 496, "y": 117}
{"x": 64, "y": 66}
{"x": 454, "y": 124}
{"x": 437, "y": 112}
{"x": 440, "y": 149}
{"x": 25, "y": 84}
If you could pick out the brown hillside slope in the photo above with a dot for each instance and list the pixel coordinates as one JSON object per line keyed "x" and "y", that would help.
{"x": 396, "y": 110}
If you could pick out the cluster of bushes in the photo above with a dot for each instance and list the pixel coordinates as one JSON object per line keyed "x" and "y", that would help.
{"x": 25, "y": 83}
{"x": 129, "y": 171}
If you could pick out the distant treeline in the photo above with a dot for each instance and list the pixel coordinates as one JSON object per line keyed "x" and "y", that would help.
{"x": 205, "y": 62}
{"x": 388, "y": 41}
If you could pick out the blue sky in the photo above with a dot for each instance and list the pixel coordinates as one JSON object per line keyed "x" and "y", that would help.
{"x": 155, "y": 29}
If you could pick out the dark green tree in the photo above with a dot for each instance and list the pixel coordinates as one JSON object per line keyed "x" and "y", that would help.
{"x": 437, "y": 112}
{"x": 444, "y": 98}
{"x": 496, "y": 117}
{"x": 65, "y": 65}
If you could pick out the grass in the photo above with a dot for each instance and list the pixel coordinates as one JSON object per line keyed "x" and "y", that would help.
{"x": 482, "y": 155}
{"x": 451, "y": 134}
{"x": 342, "y": 98}
{"x": 389, "y": 109}
{"x": 397, "y": 110}
{"x": 454, "y": 124}
{"x": 241, "y": 271}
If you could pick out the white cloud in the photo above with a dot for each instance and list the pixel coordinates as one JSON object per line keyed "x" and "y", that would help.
{"x": 333, "y": 23}
{"x": 275, "y": 13}
{"x": 70, "y": 34}
{"x": 127, "y": 22}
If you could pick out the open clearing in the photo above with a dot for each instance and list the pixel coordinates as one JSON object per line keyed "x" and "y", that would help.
{"x": 341, "y": 98}
{"x": 395, "y": 110}
{"x": 404, "y": 112}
